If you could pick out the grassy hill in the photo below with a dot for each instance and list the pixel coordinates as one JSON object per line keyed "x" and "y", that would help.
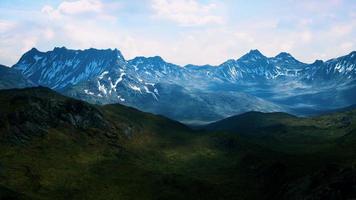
{"x": 288, "y": 131}
{"x": 54, "y": 147}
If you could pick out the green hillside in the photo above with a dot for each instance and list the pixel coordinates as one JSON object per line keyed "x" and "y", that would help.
{"x": 54, "y": 147}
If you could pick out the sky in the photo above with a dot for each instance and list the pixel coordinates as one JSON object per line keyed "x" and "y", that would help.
{"x": 181, "y": 31}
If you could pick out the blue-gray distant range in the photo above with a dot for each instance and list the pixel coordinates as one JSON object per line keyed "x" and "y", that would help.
{"x": 190, "y": 94}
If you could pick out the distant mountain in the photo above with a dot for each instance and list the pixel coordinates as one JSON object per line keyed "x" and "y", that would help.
{"x": 63, "y": 67}
{"x": 338, "y": 70}
{"x": 12, "y": 78}
{"x": 280, "y": 83}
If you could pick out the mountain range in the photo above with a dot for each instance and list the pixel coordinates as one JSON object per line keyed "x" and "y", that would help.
{"x": 191, "y": 93}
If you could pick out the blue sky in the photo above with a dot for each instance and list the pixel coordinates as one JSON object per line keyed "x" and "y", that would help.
{"x": 181, "y": 31}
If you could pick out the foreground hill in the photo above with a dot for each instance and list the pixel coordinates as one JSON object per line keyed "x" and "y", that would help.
{"x": 55, "y": 147}
{"x": 301, "y": 133}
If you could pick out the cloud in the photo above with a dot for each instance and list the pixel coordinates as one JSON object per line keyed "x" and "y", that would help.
{"x": 186, "y": 12}
{"x": 342, "y": 29}
{"x": 208, "y": 31}
{"x": 76, "y": 24}
{"x": 48, "y": 34}
{"x": 318, "y": 6}
{"x": 74, "y": 8}
{"x": 28, "y": 43}
{"x": 81, "y": 6}
{"x": 6, "y": 25}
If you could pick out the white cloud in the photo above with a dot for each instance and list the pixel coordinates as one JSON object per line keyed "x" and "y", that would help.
{"x": 347, "y": 46}
{"x": 6, "y": 25}
{"x": 186, "y": 12}
{"x": 73, "y": 8}
{"x": 81, "y": 6}
{"x": 51, "y": 12}
{"x": 48, "y": 34}
{"x": 342, "y": 29}
{"x": 221, "y": 35}
{"x": 318, "y": 6}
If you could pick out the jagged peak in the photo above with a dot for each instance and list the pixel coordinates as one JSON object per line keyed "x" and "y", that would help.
{"x": 150, "y": 58}
{"x": 33, "y": 49}
{"x": 255, "y": 51}
{"x": 228, "y": 62}
{"x": 157, "y": 58}
{"x": 63, "y": 49}
{"x": 30, "y": 54}
{"x": 253, "y": 54}
{"x": 284, "y": 55}
{"x": 34, "y": 55}
{"x": 59, "y": 48}
{"x": 318, "y": 62}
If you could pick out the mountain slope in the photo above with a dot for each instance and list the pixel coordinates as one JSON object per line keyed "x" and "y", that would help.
{"x": 62, "y": 67}
{"x": 258, "y": 122}
{"x": 35, "y": 111}
{"x": 11, "y": 78}
{"x": 55, "y": 147}
{"x": 290, "y": 131}
{"x": 179, "y": 103}
{"x": 250, "y": 122}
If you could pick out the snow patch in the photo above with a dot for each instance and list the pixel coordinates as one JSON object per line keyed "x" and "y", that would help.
{"x": 135, "y": 67}
{"x": 113, "y": 86}
{"x": 88, "y": 92}
{"x": 102, "y": 88}
{"x": 148, "y": 91}
{"x": 120, "y": 98}
{"x": 103, "y": 74}
{"x": 350, "y": 68}
{"x": 152, "y": 84}
{"x": 134, "y": 87}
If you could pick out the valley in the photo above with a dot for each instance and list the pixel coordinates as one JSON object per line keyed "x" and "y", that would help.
{"x": 55, "y": 147}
